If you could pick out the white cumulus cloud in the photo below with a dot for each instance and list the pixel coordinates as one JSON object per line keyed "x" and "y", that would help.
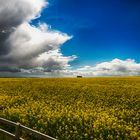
{"x": 25, "y": 47}
{"x": 116, "y": 67}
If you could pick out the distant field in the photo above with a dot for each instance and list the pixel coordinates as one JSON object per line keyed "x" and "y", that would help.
{"x": 74, "y": 109}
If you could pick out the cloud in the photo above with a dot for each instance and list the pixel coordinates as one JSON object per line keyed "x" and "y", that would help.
{"x": 25, "y": 47}
{"x": 13, "y": 13}
{"x": 116, "y": 67}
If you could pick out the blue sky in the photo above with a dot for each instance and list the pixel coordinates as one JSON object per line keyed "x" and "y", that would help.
{"x": 105, "y": 42}
{"x": 102, "y": 30}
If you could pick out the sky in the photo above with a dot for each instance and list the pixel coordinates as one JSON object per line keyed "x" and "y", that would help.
{"x": 69, "y": 38}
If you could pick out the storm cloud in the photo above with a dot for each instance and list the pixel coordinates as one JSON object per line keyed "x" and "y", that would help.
{"x": 25, "y": 47}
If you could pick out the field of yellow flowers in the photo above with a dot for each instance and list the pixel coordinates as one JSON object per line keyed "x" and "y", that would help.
{"x": 74, "y": 108}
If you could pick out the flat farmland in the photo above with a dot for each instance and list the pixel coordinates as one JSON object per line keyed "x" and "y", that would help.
{"x": 74, "y": 108}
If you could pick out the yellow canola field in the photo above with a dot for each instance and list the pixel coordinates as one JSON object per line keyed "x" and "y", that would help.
{"x": 74, "y": 108}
